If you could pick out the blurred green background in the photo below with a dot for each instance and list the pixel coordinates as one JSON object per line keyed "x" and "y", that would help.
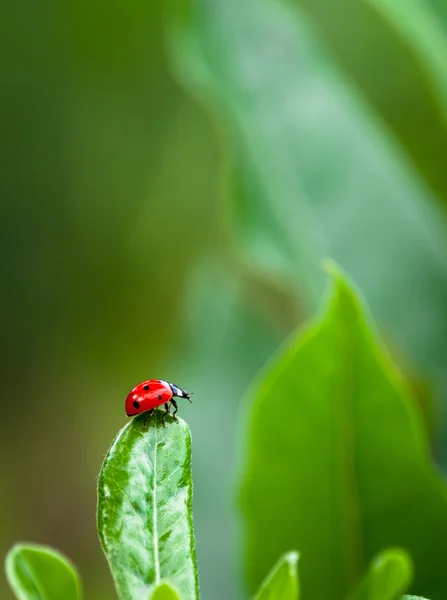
{"x": 171, "y": 178}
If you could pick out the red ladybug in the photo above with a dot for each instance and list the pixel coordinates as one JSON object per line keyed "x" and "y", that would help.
{"x": 153, "y": 393}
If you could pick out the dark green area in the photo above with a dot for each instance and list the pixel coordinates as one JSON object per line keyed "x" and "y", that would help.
{"x": 172, "y": 175}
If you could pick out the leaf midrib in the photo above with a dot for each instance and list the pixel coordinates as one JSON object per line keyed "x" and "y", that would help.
{"x": 38, "y": 584}
{"x": 154, "y": 513}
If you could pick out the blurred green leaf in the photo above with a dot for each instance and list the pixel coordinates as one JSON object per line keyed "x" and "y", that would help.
{"x": 144, "y": 508}
{"x": 388, "y": 575}
{"x": 413, "y": 598}
{"x": 164, "y": 592}
{"x": 338, "y": 463}
{"x": 212, "y": 55}
{"x": 39, "y": 573}
{"x": 317, "y": 173}
{"x": 282, "y": 581}
{"x": 394, "y": 51}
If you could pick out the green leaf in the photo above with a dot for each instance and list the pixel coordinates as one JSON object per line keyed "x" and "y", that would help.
{"x": 164, "y": 592}
{"x": 144, "y": 508}
{"x": 308, "y": 147}
{"x": 388, "y": 575}
{"x": 40, "y": 573}
{"x": 409, "y": 59}
{"x": 282, "y": 581}
{"x": 413, "y": 598}
{"x": 342, "y": 470}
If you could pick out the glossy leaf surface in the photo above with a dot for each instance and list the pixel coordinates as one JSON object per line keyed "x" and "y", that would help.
{"x": 338, "y": 463}
{"x": 144, "y": 508}
{"x": 40, "y": 573}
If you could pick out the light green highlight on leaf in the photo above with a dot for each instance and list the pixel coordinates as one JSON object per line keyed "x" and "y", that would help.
{"x": 282, "y": 581}
{"x": 164, "y": 592}
{"x": 37, "y": 572}
{"x": 388, "y": 575}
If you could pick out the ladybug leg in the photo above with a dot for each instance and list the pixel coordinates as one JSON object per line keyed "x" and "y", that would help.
{"x": 163, "y": 416}
{"x": 148, "y": 416}
{"x": 175, "y": 405}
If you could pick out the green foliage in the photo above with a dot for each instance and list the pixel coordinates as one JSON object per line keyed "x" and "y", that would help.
{"x": 343, "y": 474}
{"x": 388, "y": 575}
{"x": 282, "y": 582}
{"x": 334, "y": 118}
{"x": 412, "y": 58}
{"x": 338, "y": 462}
{"x": 40, "y": 573}
{"x": 144, "y": 508}
{"x": 306, "y": 96}
{"x": 326, "y": 180}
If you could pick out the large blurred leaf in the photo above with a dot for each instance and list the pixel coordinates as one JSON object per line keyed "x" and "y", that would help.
{"x": 388, "y": 575}
{"x": 144, "y": 508}
{"x": 397, "y": 55}
{"x": 315, "y": 175}
{"x": 318, "y": 174}
{"x": 338, "y": 462}
{"x": 39, "y": 573}
{"x": 282, "y": 581}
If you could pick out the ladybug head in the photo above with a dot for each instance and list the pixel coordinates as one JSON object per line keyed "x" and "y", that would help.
{"x": 176, "y": 391}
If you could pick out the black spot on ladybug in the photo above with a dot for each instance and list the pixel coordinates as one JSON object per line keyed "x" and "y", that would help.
{"x": 159, "y": 397}
{"x": 136, "y": 404}
{"x": 146, "y": 387}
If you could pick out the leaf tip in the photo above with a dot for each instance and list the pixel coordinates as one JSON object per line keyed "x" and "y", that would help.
{"x": 395, "y": 558}
{"x": 339, "y": 276}
{"x": 344, "y": 290}
{"x": 291, "y": 557}
{"x": 330, "y": 266}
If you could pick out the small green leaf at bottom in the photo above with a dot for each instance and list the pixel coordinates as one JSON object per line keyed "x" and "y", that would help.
{"x": 282, "y": 581}
{"x": 164, "y": 592}
{"x": 388, "y": 575}
{"x": 40, "y": 573}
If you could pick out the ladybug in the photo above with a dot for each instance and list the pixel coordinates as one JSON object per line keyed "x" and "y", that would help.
{"x": 151, "y": 394}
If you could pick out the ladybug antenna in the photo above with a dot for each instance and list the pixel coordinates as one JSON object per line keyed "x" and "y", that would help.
{"x": 179, "y": 392}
